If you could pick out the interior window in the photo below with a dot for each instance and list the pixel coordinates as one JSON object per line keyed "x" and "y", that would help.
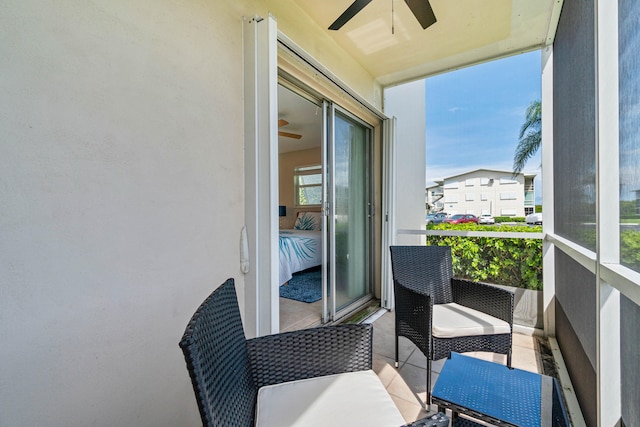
{"x": 308, "y": 185}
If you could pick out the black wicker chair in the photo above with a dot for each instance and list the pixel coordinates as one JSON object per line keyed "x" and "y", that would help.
{"x": 423, "y": 276}
{"x": 227, "y": 370}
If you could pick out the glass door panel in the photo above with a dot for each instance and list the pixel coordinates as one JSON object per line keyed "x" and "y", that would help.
{"x": 350, "y": 212}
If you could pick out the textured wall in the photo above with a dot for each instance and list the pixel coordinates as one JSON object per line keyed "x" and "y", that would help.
{"x": 122, "y": 194}
{"x": 120, "y": 122}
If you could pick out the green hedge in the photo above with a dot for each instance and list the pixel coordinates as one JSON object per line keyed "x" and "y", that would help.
{"x": 630, "y": 249}
{"x": 511, "y": 262}
{"x": 509, "y": 219}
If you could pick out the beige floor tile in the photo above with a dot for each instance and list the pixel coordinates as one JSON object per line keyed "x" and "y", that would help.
{"x": 436, "y": 365}
{"x": 417, "y": 359}
{"x": 526, "y": 341}
{"x": 410, "y": 383}
{"x": 295, "y": 315}
{"x": 384, "y": 344}
{"x": 384, "y": 368}
{"x": 491, "y": 357}
{"x": 386, "y": 322}
{"x": 410, "y": 410}
{"x": 527, "y": 361}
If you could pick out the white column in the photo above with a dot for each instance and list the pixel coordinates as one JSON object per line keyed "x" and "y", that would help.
{"x": 608, "y": 215}
{"x": 388, "y": 210}
{"x": 548, "y": 259}
{"x": 261, "y": 175}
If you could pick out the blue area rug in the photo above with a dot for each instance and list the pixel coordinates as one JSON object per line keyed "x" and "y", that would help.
{"x": 305, "y": 286}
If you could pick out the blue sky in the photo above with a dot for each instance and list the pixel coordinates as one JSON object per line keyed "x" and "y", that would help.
{"x": 474, "y": 116}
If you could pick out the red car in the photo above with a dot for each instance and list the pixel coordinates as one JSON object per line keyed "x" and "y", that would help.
{"x": 461, "y": 219}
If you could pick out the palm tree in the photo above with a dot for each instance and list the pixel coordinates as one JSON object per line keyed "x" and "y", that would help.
{"x": 530, "y": 137}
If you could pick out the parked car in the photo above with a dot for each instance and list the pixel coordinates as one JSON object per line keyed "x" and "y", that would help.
{"x": 461, "y": 219}
{"x": 534, "y": 218}
{"x": 435, "y": 218}
{"x": 486, "y": 219}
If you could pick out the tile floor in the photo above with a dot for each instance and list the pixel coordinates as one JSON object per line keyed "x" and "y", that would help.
{"x": 295, "y": 315}
{"x": 407, "y": 385}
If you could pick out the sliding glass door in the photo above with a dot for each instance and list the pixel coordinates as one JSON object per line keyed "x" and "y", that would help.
{"x": 349, "y": 196}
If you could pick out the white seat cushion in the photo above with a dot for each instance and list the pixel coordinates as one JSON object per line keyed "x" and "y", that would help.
{"x": 350, "y": 399}
{"x": 454, "y": 320}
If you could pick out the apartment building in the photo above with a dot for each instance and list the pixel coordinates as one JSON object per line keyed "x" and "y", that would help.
{"x": 483, "y": 191}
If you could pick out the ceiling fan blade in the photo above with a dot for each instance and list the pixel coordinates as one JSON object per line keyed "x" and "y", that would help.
{"x": 282, "y": 122}
{"x": 351, "y": 11}
{"x": 290, "y": 135}
{"x": 423, "y": 12}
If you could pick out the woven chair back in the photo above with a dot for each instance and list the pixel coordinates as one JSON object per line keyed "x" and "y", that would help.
{"x": 427, "y": 269}
{"x": 214, "y": 347}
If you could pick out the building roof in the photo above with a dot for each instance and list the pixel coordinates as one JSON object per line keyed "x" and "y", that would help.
{"x": 439, "y": 182}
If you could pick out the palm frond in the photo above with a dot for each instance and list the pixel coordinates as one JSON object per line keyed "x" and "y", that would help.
{"x": 530, "y": 137}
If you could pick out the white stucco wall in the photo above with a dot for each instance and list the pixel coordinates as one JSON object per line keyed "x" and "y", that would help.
{"x": 121, "y": 190}
{"x": 484, "y": 191}
{"x": 407, "y": 103}
{"x": 116, "y": 138}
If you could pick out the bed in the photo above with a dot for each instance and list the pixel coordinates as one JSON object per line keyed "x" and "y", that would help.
{"x": 301, "y": 247}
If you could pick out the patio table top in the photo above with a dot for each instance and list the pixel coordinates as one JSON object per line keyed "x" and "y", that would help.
{"x": 497, "y": 394}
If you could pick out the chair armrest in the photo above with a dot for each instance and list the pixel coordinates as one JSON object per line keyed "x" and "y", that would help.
{"x": 414, "y": 316}
{"x": 310, "y": 353}
{"x": 492, "y": 300}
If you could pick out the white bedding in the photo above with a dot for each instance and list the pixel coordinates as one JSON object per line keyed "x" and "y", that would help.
{"x": 299, "y": 250}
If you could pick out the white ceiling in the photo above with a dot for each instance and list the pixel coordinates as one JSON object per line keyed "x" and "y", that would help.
{"x": 304, "y": 117}
{"x": 467, "y": 32}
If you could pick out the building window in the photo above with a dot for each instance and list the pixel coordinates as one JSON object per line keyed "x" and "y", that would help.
{"x": 450, "y": 184}
{"x": 508, "y": 196}
{"x": 508, "y": 212}
{"x": 484, "y": 197}
{"x": 308, "y": 185}
{"x": 505, "y": 180}
{"x": 471, "y": 182}
{"x": 485, "y": 181}
{"x": 469, "y": 197}
{"x": 451, "y": 198}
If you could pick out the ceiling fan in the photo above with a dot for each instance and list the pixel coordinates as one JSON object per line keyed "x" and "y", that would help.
{"x": 421, "y": 9}
{"x": 283, "y": 122}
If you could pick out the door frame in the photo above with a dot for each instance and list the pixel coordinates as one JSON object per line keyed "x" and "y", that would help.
{"x": 336, "y": 313}
{"x": 269, "y": 54}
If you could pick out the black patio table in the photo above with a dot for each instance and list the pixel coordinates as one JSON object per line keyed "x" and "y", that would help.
{"x": 499, "y": 395}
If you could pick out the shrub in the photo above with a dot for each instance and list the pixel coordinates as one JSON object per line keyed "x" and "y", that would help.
{"x": 630, "y": 249}
{"x": 511, "y": 262}
{"x": 509, "y": 219}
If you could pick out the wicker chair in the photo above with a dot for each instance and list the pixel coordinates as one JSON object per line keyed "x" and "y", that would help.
{"x": 423, "y": 277}
{"x": 227, "y": 370}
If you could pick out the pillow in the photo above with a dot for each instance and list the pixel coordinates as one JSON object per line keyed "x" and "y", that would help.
{"x": 308, "y": 221}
